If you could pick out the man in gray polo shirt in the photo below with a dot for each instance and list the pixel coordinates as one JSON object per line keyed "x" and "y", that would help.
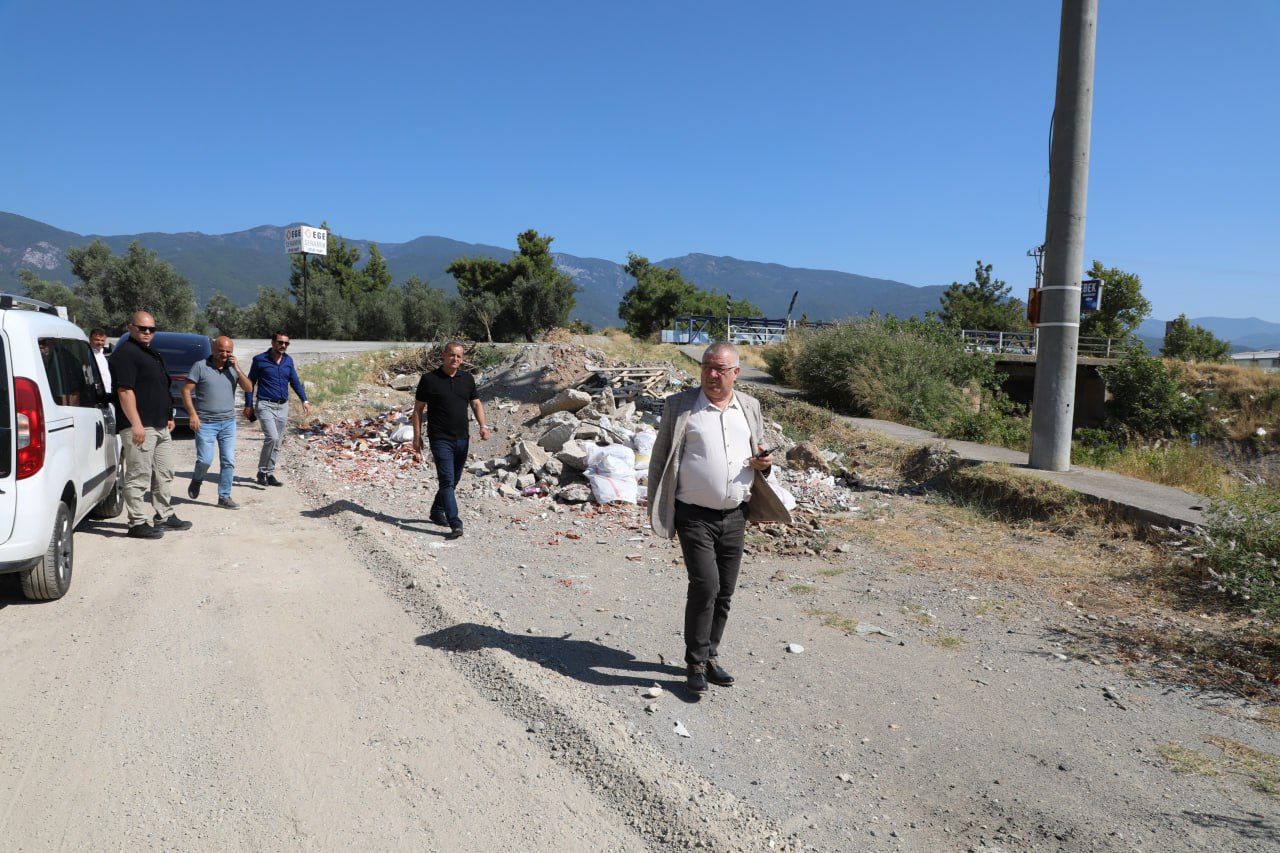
{"x": 210, "y": 399}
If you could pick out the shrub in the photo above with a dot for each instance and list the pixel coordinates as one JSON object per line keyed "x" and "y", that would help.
{"x": 1147, "y": 397}
{"x": 1241, "y": 541}
{"x": 901, "y": 370}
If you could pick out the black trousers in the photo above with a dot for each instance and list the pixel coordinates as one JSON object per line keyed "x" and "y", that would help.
{"x": 711, "y": 540}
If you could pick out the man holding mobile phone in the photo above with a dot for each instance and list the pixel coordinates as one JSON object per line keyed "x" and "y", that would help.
{"x": 209, "y": 396}
{"x": 706, "y": 479}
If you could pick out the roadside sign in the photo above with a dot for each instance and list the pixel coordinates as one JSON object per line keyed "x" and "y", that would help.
{"x": 1091, "y": 294}
{"x": 303, "y": 239}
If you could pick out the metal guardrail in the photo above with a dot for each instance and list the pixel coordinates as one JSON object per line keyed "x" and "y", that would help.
{"x": 760, "y": 331}
{"x": 1027, "y": 343}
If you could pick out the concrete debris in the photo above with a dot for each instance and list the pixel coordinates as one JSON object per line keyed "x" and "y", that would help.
{"x": 542, "y": 435}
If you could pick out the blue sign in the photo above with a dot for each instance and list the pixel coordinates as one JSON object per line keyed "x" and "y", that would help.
{"x": 1091, "y": 294}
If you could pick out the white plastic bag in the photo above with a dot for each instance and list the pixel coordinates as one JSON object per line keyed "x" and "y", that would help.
{"x": 611, "y": 471}
{"x": 402, "y": 433}
{"x": 643, "y": 442}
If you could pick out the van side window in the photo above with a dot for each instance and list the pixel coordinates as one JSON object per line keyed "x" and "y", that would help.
{"x": 69, "y": 365}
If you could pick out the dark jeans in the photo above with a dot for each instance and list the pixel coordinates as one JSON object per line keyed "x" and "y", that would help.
{"x": 450, "y": 455}
{"x": 711, "y": 540}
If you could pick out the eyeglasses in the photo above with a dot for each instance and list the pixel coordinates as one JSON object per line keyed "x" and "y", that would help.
{"x": 282, "y": 343}
{"x": 717, "y": 370}
{"x": 146, "y": 330}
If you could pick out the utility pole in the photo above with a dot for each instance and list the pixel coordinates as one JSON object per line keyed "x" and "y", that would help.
{"x": 1038, "y": 254}
{"x": 1053, "y": 410}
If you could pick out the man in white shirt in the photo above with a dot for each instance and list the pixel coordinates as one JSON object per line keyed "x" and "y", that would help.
{"x": 98, "y": 343}
{"x": 706, "y": 478}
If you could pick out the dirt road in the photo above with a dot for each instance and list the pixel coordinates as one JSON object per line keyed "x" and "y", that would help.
{"x": 247, "y": 685}
{"x": 321, "y": 670}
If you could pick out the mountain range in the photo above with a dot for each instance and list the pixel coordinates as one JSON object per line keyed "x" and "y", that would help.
{"x": 237, "y": 264}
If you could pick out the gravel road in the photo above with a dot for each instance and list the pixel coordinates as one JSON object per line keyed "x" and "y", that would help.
{"x": 322, "y": 670}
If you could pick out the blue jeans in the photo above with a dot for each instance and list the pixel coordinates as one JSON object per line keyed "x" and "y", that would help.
{"x": 450, "y": 455}
{"x": 222, "y": 433}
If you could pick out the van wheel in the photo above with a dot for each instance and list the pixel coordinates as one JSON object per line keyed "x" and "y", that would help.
{"x": 52, "y": 578}
{"x": 113, "y": 504}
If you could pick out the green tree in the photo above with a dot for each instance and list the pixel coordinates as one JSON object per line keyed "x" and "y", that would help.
{"x": 272, "y": 312}
{"x": 1187, "y": 342}
{"x": 223, "y": 315}
{"x": 661, "y": 294}
{"x": 135, "y": 281}
{"x": 983, "y": 304}
{"x": 379, "y": 316}
{"x": 88, "y": 313}
{"x": 522, "y": 297}
{"x": 1123, "y": 306}
{"x": 1147, "y": 399}
{"x": 377, "y": 276}
{"x": 428, "y": 314}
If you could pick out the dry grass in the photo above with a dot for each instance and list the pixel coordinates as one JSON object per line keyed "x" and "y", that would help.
{"x": 1186, "y": 759}
{"x": 831, "y": 619}
{"x": 945, "y": 641}
{"x": 1242, "y": 399}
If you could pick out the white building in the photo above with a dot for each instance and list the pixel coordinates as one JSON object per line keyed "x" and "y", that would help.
{"x": 1267, "y": 359}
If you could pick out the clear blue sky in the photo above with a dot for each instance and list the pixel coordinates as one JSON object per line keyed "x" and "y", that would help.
{"x": 900, "y": 140}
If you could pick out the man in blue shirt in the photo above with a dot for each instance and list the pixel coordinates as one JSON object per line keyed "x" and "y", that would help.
{"x": 209, "y": 396}
{"x": 272, "y": 374}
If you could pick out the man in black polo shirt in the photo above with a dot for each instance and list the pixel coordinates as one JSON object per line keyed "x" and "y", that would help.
{"x": 445, "y": 394}
{"x": 145, "y": 409}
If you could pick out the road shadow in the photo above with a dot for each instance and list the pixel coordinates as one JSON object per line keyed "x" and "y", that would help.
{"x": 581, "y": 660}
{"x": 414, "y": 525}
{"x": 1254, "y": 827}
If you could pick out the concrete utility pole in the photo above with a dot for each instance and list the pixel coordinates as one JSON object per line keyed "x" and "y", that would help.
{"x": 1059, "y": 328}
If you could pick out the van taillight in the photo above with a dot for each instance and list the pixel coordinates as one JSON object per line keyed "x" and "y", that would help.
{"x": 30, "y": 423}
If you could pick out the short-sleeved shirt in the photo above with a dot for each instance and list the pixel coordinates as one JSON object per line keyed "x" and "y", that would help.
{"x": 447, "y": 398}
{"x": 215, "y": 393}
{"x": 142, "y": 370}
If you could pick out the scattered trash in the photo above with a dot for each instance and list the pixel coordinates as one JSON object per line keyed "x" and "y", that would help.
{"x": 681, "y": 730}
{"x": 871, "y": 629}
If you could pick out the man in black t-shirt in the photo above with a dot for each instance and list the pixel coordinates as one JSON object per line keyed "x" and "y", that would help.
{"x": 445, "y": 394}
{"x": 145, "y": 410}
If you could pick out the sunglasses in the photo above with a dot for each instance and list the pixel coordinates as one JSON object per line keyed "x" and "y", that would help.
{"x": 148, "y": 330}
{"x": 282, "y": 343}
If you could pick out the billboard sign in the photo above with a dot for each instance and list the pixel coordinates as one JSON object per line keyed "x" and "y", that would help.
{"x": 1091, "y": 294}
{"x": 303, "y": 239}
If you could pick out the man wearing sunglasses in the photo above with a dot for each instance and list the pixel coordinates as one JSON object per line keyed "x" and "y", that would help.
{"x": 145, "y": 411}
{"x": 273, "y": 374}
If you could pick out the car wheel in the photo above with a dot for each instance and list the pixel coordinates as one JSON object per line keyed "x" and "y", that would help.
{"x": 52, "y": 577}
{"x": 113, "y": 504}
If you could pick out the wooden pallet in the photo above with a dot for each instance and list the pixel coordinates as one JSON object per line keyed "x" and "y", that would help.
{"x": 627, "y": 382}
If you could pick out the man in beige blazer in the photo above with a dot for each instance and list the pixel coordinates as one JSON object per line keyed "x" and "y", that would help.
{"x": 706, "y": 480}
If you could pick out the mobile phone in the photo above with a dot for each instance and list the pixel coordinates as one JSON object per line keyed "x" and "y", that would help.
{"x": 763, "y": 453}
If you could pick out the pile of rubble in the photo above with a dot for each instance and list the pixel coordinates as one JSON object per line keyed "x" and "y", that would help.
{"x": 585, "y": 439}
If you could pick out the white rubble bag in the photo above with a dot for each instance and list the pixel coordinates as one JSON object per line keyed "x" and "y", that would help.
{"x": 643, "y": 442}
{"x": 611, "y": 471}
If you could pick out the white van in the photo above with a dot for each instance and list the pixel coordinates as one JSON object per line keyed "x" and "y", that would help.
{"x": 59, "y": 453}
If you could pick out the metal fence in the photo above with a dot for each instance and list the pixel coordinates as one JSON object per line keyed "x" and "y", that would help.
{"x": 1027, "y": 343}
{"x": 760, "y": 331}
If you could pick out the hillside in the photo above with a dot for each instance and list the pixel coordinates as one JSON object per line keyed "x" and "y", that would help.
{"x": 237, "y": 264}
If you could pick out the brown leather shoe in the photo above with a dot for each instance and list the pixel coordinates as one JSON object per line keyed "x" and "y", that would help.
{"x": 716, "y": 674}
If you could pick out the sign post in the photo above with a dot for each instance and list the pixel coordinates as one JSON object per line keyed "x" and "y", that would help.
{"x": 305, "y": 240}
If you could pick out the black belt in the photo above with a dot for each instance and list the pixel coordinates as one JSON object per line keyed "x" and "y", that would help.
{"x": 269, "y": 400}
{"x": 706, "y": 510}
